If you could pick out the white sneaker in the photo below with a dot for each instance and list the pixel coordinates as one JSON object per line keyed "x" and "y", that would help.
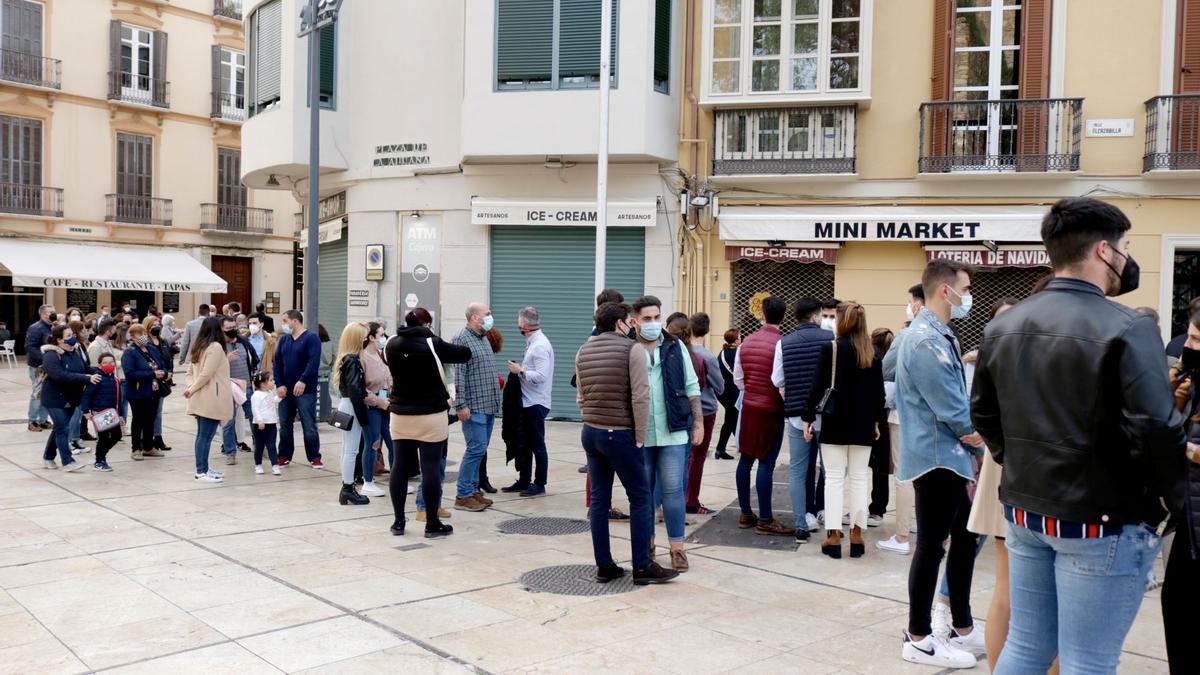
{"x": 941, "y": 619}
{"x": 874, "y": 520}
{"x": 821, "y": 518}
{"x": 935, "y": 651}
{"x": 971, "y": 643}
{"x": 210, "y": 477}
{"x": 812, "y": 523}
{"x": 411, "y": 490}
{"x": 913, "y": 528}
{"x": 371, "y": 490}
{"x": 50, "y": 464}
{"x": 73, "y": 466}
{"x": 894, "y": 545}
{"x": 846, "y": 520}
{"x": 275, "y": 469}
{"x": 258, "y": 469}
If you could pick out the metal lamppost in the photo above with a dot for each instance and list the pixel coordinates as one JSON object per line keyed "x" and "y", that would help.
{"x": 313, "y": 17}
{"x": 606, "y": 18}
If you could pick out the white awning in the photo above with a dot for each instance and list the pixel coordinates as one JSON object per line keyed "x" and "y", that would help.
{"x": 621, "y": 213}
{"x": 97, "y": 267}
{"x": 947, "y": 224}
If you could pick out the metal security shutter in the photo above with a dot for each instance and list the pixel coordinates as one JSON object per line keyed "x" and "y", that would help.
{"x": 328, "y": 65}
{"x": 524, "y": 40}
{"x": 987, "y": 286}
{"x": 331, "y": 295}
{"x": 579, "y": 42}
{"x": 789, "y": 280}
{"x": 552, "y": 268}
{"x": 662, "y": 45}
{"x": 266, "y": 40}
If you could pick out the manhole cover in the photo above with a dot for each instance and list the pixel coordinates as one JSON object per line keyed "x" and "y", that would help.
{"x": 543, "y": 526}
{"x": 573, "y": 580}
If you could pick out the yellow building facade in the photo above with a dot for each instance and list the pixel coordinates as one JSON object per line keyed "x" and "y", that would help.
{"x": 120, "y": 147}
{"x": 832, "y": 147}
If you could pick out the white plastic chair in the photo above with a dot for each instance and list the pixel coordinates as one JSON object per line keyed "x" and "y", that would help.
{"x": 8, "y": 352}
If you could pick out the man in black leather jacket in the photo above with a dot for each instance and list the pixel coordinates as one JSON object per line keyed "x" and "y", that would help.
{"x": 1072, "y": 396}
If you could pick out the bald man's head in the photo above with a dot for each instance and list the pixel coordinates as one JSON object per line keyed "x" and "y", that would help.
{"x": 477, "y": 312}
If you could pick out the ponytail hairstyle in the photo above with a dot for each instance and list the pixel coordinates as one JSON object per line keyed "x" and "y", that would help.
{"x": 731, "y": 337}
{"x": 679, "y": 326}
{"x": 852, "y": 324}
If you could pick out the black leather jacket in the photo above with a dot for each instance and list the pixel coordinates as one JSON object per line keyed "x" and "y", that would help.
{"x": 1072, "y": 396}
{"x": 352, "y": 383}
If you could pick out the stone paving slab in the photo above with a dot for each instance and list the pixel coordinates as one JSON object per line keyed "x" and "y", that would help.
{"x": 144, "y": 571}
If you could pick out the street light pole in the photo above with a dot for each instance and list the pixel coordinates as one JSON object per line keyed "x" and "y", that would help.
{"x": 602, "y": 153}
{"x": 312, "y": 281}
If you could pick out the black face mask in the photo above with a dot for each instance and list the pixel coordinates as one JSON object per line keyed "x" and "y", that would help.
{"x": 156, "y": 331}
{"x": 1190, "y": 360}
{"x": 1130, "y": 277}
{"x": 53, "y": 317}
{"x": 632, "y": 334}
{"x": 231, "y": 333}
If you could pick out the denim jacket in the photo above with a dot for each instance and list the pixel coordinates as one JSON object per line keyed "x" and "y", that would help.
{"x": 931, "y": 396}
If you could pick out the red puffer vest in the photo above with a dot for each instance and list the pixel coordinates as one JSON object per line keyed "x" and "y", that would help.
{"x": 757, "y": 355}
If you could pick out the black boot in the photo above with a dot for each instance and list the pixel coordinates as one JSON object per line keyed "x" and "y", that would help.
{"x": 398, "y": 528}
{"x": 349, "y": 495}
{"x": 721, "y": 454}
{"x": 160, "y": 444}
{"x": 484, "y": 483}
{"x": 85, "y": 435}
{"x": 433, "y": 531}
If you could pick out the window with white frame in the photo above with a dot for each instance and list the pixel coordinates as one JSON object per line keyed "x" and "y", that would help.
{"x": 137, "y": 58}
{"x": 784, "y": 46}
{"x": 987, "y": 49}
{"x": 233, "y": 81}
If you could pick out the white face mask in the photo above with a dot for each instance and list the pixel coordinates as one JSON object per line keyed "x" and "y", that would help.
{"x": 909, "y": 314}
{"x": 960, "y": 311}
{"x": 829, "y": 324}
{"x": 254, "y": 328}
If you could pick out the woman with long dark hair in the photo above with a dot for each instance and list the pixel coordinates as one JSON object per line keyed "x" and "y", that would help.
{"x": 849, "y": 426}
{"x": 729, "y": 397}
{"x": 379, "y": 384}
{"x": 420, "y": 414}
{"x": 209, "y": 393}
{"x": 79, "y": 431}
{"x": 166, "y": 360}
{"x": 66, "y": 377}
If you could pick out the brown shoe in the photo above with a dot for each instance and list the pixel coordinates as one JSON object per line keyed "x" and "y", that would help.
{"x": 857, "y": 547}
{"x": 747, "y": 522}
{"x": 679, "y": 560}
{"x": 34, "y": 427}
{"x": 420, "y": 516}
{"x": 479, "y": 497}
{"x": 153, "y": 452}
{"x": 469, "y": 504}
{"x": 832, "y": 546}
{"x": 773, "y": 528}
{"x": 443, "y": 514}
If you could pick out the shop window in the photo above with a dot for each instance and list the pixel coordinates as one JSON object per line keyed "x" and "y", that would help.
{"x": 987, "y": 286}
{"x": 753, "y": 281}
{"x": 1185, "y": 289}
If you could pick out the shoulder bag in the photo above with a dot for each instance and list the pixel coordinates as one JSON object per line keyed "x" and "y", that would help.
{"x": 441, "y": 371}
{"x": 341, "y": 420}
{"x": 828, "y": 404}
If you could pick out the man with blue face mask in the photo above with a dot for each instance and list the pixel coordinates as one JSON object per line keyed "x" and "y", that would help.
{"x": 939, "y": 451}
{"x": 477, "y": 401}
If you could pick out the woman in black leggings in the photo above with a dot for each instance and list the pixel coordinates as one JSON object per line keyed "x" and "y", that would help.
{"x": 420, "y": 414}
{"x": 733, "y": 340}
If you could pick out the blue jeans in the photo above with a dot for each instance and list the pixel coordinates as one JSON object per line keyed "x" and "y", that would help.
{"x": 228, "y": 431}
{"x": 358, "y": 439}
{"x": 76, "y": 419}
{"x": 764, "y": 481}
{"x": 1074, "y": 598}
{"x": 800, "y": 452}
{"x": 206, "y": 430}
{"x": 441, "y": 479}
{"x": 306, "y": 407}
{"x": 534, "y": 418}
{"x": 385, "y": 437}
{"x": 666, "y": 472}
{"x": 478, "y": 432}
{"x": 60, "y": 435}
{"x": 615, "y": 452}
{"x": 37, "y": 412}
{"x": 944, "y": 588}
{"x": 158, "y": 418}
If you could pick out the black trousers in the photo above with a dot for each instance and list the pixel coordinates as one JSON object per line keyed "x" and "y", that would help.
{"x": 142, "y": 427}
{"x": 942, "y": 511}
{"x": 728, "y": 426}
{"x": 880, "y": 462}
{"x": 105, "y": 440}
{"x": 430, "y": 457}
{"x": 1180, "y": 598}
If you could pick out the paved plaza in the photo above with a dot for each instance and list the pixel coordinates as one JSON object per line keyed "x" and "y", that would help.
{"x": 143, "y": 570}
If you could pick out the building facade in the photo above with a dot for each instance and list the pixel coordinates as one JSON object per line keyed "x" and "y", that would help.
{"x": 458, "y": 157}
{"x": 843, "y": 143}
{"x": 120, "y": 154}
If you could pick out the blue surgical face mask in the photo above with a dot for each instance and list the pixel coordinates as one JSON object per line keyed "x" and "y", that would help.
{"x": 286, "y": 328}
{"x": 650, "y": 331}
{"x": 960, "y": 311}
{"x": 71, "y": 341}
{"x": 488, "y": 322}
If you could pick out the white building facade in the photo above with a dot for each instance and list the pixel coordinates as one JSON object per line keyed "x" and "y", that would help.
{"x": 458, "y": 157}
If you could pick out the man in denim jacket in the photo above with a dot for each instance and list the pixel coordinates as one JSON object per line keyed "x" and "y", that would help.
{"x": 939, "y": 448}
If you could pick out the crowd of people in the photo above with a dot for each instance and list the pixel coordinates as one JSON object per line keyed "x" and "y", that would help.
{"x": 1066, "y": 437}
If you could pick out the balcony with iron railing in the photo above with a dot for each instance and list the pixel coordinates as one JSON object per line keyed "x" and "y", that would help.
{"x": 236, "y": 219}
{"x": 140, "y": 90}
{"x": 1172, "y": 133}
{"x": 1011, "y": 135}
{"x": 30, "y": 69}
{"x": 228, "y": 9}
{"x": 137, "y": 210}
{"x": 31, "y": 200}
{"x": 228, "y": 106}
{"x": 785, "y": 141}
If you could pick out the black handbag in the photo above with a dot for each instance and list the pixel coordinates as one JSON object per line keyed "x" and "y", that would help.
{"x": 828, "y": 403}
{"x": 341, "y": 420}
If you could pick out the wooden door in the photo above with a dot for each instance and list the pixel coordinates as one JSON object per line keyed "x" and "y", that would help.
{"x": 237, "y": 274}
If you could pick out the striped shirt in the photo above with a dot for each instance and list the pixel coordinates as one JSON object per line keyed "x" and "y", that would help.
{"x": 1053, "y": 527}
{"x": 477, "y": 382}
